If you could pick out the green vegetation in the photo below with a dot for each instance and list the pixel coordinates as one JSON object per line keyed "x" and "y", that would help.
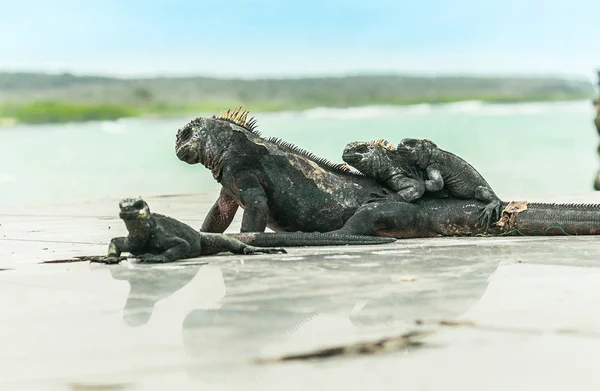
{"x": 38, "y": 98}
{"x": 51, "y": 112}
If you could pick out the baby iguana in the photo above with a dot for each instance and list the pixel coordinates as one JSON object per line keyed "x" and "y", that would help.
{"x": 377, "y": 159}
{"x": 154, "y": 238}
{"x": 447, "y": 171}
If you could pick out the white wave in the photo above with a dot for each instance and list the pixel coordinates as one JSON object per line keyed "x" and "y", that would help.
{"x": 467, "y": 106}
{"x": 473, "y": 107}
{"x": 582, "y": 107}
{"x": 366, "y": 112}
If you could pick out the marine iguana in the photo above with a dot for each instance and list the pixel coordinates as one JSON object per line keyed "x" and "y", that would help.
{"x": 289, "y": 189}
{"x": 376, "y": 159}
{"x": 446, "y": 170}
{"x": 154, "y": 238}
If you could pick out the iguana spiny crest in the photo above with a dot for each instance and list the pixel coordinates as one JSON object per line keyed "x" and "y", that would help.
{"x": 205, "y": 140}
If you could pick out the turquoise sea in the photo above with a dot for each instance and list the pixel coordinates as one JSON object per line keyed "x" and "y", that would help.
{"x": 524, "y": 150}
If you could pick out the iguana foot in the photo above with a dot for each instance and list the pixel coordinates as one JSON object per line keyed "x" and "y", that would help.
{"x": 151, "y": 258}
{"x": 264, "y": 250}
{"x": 489, "y": 214}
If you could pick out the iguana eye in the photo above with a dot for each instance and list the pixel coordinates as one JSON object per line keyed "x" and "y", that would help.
{"x": 362, "y": 149}
{"x": 138, "y": 204}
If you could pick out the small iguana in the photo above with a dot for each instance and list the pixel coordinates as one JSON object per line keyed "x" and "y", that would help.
{"x": 377, "y": 159}
{"x": 154, "y": 238}
{"x": 446, "y": 170}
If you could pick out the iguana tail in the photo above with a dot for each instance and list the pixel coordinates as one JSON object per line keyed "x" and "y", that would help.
{"x": 302, "y": 239}
{"x": 533, "y": 219}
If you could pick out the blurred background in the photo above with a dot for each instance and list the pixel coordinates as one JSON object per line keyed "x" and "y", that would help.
{"x": 92, "y": 93}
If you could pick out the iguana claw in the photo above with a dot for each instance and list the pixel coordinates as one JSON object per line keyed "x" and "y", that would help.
{"x": 265, "y": 250}
{"x": 489, "y": 214}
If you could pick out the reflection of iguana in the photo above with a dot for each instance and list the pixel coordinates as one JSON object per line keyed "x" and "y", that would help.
{"x": 156, "y": 238}
{"x": 288, "y": 189}
{"x": 447, "y": 171}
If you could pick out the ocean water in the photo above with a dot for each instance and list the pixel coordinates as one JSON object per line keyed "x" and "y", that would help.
{"x": 526, "y": 150}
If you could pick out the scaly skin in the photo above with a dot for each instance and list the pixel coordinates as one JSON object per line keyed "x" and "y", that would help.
{"x": 154, "y": 238}
{"x": 447, "y": 171}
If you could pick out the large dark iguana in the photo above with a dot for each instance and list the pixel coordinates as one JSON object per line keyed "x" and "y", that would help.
{"x": 289, "y": 189}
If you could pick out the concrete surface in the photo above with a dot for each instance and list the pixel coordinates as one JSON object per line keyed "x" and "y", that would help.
{"x": 200, "y": 324}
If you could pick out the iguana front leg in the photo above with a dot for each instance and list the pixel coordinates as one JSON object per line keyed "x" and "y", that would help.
{"x": 256, "y": 209}
{"x": 120, "y": 245}
{"x": 407, "y": 189}
{"x": 254, "y": 201}
{"x": 221, "y": 214}
{"x": 435, "y": 181}
{"x": 175, "y": 249}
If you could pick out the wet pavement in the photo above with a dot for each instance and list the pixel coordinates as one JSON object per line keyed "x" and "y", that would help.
{"x": 505, "y": 313}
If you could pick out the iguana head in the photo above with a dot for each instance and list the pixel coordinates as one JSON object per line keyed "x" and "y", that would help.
{"x": 369, "y": 157}
{"x": 133, "y": 209}
{"x": 204, "y": 140}
{"x": 416, "y": 151}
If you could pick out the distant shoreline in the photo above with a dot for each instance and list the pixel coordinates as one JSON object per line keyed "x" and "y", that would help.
{"x": 57, "y": 112}
{"x": 36, "y": 98}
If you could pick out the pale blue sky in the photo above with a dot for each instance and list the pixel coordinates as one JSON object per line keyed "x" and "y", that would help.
{"x": 303, "y": 37}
